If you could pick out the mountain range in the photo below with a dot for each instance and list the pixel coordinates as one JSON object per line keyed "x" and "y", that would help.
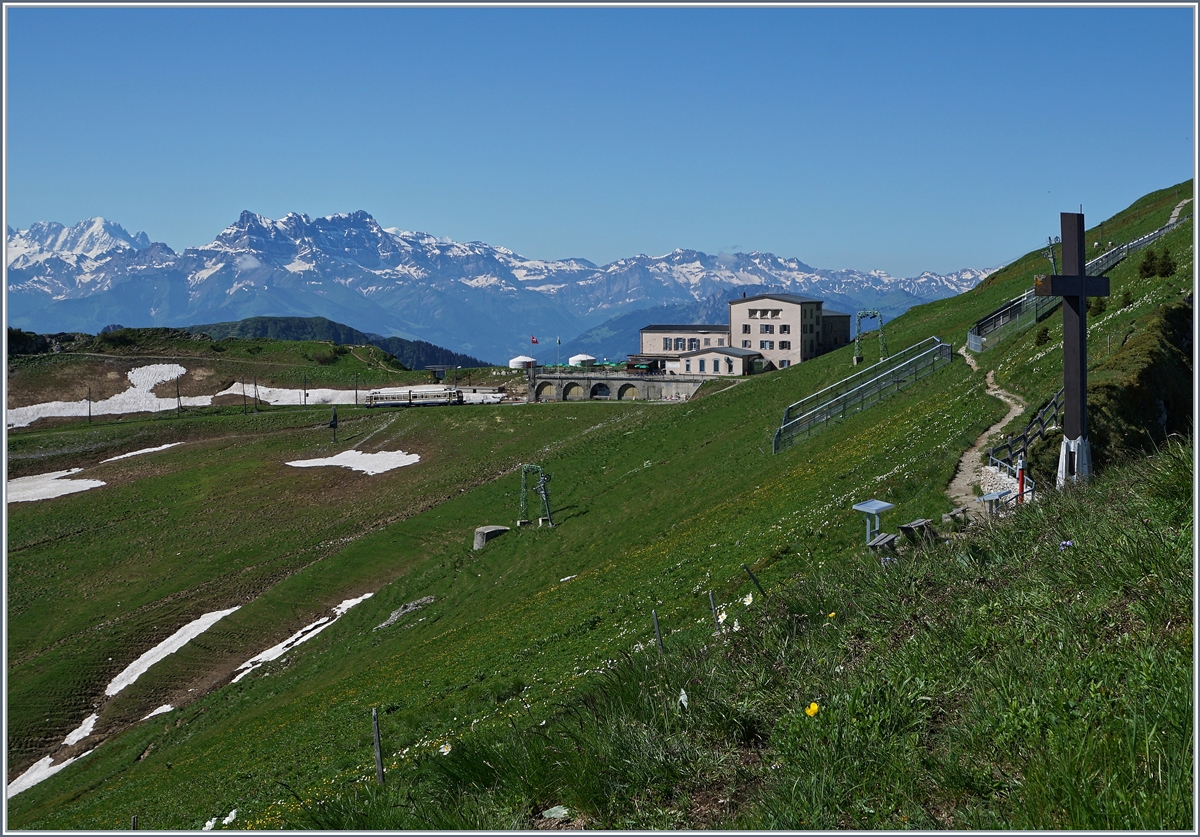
{"x": 474, "y": 298}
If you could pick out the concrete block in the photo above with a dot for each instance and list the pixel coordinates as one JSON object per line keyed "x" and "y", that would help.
{"x": 485, "y": 533}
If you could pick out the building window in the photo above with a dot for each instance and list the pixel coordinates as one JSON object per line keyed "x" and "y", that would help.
{"x": 687, "y": 365}
{"x": 766, "y": 344}
{"x": 720, "y": 341}
{"x": 693, "y": 344}
{"x": 783, "y": 364}
{"x": 745, "y": 344}
{"x": 784, "y": 328}
{"x": 729, "y": 365}
{"x": 775, "y": 313}
{"x": 753, "y": 313}
{"x": 745, "y": 328}
{"x": 679, "y": 342}
{"x": 707, "y": 341}
{"x": 666, "y": 344}
{"x": 785, "y": 344}
{"x": 766, "y": 328}
{"x": 701, "y": 364}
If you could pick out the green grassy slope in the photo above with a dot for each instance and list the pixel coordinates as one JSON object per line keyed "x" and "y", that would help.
{"x": 656, "y": 505}
{"x": 100, "y": 363}
{"x": 415, "y": 354}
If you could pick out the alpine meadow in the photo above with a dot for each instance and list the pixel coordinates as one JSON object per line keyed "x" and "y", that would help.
{"x": 702, "y": 640}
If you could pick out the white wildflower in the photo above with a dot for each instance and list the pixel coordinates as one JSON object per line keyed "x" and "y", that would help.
{"x": 683, "y": 699}
{"x": 444, "y": 749}
{"x": 721, "y": 617}
{"x": 748, "y": 599}
{"x": 736, "y": 626}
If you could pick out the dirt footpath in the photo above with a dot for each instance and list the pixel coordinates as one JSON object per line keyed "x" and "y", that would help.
{"x": 960, "y": 489}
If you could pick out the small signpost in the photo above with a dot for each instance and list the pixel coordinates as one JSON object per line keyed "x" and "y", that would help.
{"x": 1075, "y": 455}
{"x": 333, "y": 424}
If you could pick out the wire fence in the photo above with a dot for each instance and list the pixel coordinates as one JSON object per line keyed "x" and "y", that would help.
{"x": 1020, "y": 313}
{"x": 809, "y": 402}
{"x": 1102, "y": 263}
{"x": 1014, "y": 315}
{"x": 861, "y": 390}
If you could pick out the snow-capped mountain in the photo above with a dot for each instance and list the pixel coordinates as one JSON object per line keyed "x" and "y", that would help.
{"x": 473, "y": 297}
{"x": 87, "y": 238}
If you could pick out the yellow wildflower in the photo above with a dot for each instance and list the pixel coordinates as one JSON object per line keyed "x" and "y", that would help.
{"x": 812, "y": 710}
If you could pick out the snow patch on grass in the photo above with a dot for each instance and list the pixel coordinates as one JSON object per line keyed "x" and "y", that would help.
{"x": 368, "y": 463}
{"x": 138, "y": 399}
{"x": 84, "y": 730}
{"x": 281, "y": 395}
{"x": 140, "y": 452}
{"x": 46, "y": 486}
{"x": 165, "y": 648}
{"x": 303, "y": 635}
{"x": 40, "y": 771}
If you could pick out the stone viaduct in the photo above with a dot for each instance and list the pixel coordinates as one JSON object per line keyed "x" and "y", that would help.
{"x": 590, "y": 383}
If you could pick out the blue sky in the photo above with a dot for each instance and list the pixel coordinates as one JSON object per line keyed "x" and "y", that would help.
{"x": 902, "y": 139}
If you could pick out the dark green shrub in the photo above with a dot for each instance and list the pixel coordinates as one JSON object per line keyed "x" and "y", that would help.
{"x": 1126, "y": 298}
{"x": 1149, "y": 265}
{"x": 1097, "y": 305}
{"x": 1042, "y": 337}
{"x": 116, "y": 339}
{"x": 1166, "y": 264}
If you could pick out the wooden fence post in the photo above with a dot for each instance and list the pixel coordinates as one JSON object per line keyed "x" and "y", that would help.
{"x": 755, "y": 580}
{"x": 378, "y": 750}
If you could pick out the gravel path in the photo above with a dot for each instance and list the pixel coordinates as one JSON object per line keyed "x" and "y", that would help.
{"x": 1175, "y": 214}
{"x": 960, "y": 489}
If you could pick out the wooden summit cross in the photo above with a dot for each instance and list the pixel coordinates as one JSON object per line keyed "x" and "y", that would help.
{"x": 1075, "y": 455}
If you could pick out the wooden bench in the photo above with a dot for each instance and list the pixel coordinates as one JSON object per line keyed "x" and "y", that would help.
{"x": 919, "y": 530}
{"x": 955, "y": 514}
{"x": 883, "y": 541}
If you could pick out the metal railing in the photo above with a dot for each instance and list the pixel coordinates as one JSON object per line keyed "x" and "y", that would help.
{"x": 1012, "y": 472}
{"x": 808, "y": 402}
{"x": 1103, "y": 262}
{"x": 1027, "y": 309}
{"x": 861, "y": 390}
{"x": 1012, "y": 316}
{"x": 1047, "y": 418}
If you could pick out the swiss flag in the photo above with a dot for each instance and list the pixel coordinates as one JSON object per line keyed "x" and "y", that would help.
{"x": 532, "y": 339}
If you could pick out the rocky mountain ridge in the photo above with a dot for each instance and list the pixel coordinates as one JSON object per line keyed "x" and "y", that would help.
{"x": 473, "y": 297}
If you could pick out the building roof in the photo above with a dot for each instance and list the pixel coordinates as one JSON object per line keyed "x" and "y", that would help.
{"x": 794, "y": 298}
{"x": 700, "y": 329}
{"x": 825, "y": 312}
{"x": 722, "y": 350}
